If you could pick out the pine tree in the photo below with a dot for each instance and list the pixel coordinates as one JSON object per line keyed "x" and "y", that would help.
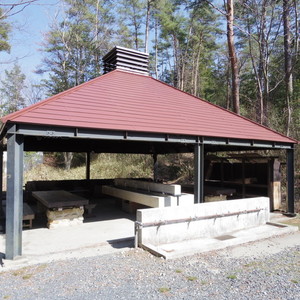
{"x": 74, "y": 46}
{"x": 12, "y": 89}
{"x": 133, "y": 14}
{"x": 4, "y": 32}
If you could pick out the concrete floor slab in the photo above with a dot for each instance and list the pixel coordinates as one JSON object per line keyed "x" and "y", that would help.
{"x": 111, "y": 230}
{"x": 108, "y": 231}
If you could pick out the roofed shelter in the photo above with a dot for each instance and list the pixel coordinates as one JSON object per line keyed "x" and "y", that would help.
{"x": 127, "y": 111}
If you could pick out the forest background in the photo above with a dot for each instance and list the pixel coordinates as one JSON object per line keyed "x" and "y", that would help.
{"x": 241, "y": 55}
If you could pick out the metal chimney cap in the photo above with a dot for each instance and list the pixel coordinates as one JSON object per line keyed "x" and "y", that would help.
{"x": 126, "y": 59}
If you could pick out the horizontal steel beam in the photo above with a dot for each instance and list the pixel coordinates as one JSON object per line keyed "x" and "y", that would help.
{"x": 86, "y": 133}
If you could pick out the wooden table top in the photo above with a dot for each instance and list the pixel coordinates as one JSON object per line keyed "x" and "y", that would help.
{"x": 59, "y": 199}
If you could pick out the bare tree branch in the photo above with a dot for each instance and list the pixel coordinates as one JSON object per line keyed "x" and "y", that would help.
{"x": 18, "y": 5}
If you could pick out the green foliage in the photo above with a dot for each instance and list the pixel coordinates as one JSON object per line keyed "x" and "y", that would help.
{"x": 188, "y": 51}
{"x": 187, "y": 45}
{"x": 75, "y": 45}
{"x": 5, "y": 29}
{"x": 132, "y": 14}
{"x": 12, "y": 90}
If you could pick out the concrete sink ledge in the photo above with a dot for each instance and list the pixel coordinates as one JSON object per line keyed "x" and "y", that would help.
{"x": 186, "y": 248}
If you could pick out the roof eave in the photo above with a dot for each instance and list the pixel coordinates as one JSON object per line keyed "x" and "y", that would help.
{"x": 28, "y": 129}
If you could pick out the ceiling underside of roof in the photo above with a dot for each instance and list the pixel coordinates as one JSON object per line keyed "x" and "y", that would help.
{"x": 110, "y": 146}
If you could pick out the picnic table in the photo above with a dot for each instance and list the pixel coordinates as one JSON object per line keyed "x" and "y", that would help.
{"x": 59, "y": 199}
{"x": 63, "y": 208}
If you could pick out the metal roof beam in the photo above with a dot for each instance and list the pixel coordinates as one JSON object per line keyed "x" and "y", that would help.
{"x": 85, "y": 133}
{"x": 246, "y": 143}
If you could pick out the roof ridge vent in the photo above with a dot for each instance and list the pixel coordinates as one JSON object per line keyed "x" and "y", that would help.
{"x": 126, "y": 59}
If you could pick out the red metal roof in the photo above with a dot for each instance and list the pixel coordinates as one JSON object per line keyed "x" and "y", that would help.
{"x": 121, "y": 100}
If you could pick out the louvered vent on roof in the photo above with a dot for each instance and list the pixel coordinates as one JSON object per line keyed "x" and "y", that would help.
{"x": 126, "y": 59}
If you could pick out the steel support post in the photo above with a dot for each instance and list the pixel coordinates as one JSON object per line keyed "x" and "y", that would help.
{"x": 14, "y": 198}
{"x": 155, "y": 167}
{"x": 88, "y": 166}
{"x": 198, "y": 173}
{"x": 1, "y": 191}
{"x": 1, "y": 178}
{"x": 290, "y": 181}
{"x": 243, "y": 178}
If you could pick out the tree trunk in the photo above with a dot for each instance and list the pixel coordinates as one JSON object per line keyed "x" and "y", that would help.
{"x": 228, "y": 86}
{"x": 233, "y": 58}
{"x": 147, "y": 25}
{"x": 196, "y": 76}
{"x": 156, "y": 48}
{"x": 176, "y": 62}
{"x": 96, "y": 40}
{"x": 296, "y": 30}
{"x": 68, "y": 156}
{"x": 287, "y": 63}
{"x": 262, "y": 64}
{"x": 257, "y": 73}
{"x": 136, "y": 33}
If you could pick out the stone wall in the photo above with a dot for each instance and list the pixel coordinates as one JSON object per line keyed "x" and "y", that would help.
{"x": 65, "y": 217}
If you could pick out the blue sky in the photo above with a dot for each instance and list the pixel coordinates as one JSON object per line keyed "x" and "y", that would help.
{"x": 28, "y": 27}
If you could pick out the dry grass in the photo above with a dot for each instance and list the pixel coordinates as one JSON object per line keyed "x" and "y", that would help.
{"x": 294, "y": 221}
{"x": 102, "y": 166}
{"x": 172, "y": 168}
{"x": 45, "y": 172}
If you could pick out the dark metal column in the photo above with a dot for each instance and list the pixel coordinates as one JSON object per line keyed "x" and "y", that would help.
{"x": 222, "y": 172}
{"x": 155, "y": 167}
{"x": 290, "y": 181}
{"x": 243, "y": 179}
{"x": 1, "y": 177}
{"x": 88, "y": 166}
{"x": 14, "y": 198}
{"x": 1, "y": 190}
{"x": 198, "y": 173}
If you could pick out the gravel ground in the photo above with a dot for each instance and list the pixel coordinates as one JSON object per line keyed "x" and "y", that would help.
{"x": 136, "y": 274}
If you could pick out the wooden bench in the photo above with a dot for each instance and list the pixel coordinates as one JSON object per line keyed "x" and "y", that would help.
{"x": 28, "y": 214}
{"x": 148, "y": 194}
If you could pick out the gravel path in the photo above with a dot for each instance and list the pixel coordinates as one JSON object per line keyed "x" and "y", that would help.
{"x": 135, "y": 274}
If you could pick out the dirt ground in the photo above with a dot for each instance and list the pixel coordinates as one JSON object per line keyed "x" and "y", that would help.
{"x": 294, "y": 221}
